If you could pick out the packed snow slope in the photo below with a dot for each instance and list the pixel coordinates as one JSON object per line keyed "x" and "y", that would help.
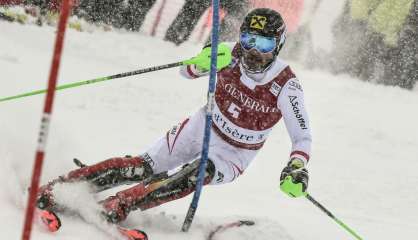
{"x": 363, "y": 167}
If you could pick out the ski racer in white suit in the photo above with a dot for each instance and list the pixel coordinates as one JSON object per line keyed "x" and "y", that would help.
{"x": 252, "y": 94}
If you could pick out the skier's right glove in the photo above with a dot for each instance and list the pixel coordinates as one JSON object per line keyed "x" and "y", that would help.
{"x": 294, "y": 178}
{"x": 203, "y": 59}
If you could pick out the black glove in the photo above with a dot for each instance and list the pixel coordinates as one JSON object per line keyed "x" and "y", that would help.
{"x": 294, "y": 178}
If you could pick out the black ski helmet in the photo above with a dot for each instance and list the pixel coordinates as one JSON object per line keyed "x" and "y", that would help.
{"x": 267, "y": 23}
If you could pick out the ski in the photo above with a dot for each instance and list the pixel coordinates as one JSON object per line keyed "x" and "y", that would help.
{"x": 53, "y": 223}
{"x": 226, "y": 226}
{"x": 49, "y": 219}
{"x": 132, "y": 234}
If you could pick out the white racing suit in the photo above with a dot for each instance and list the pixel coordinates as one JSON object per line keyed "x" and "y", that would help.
{"x": 244, "y": 114}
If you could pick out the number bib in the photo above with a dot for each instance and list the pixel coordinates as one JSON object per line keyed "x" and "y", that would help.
{"x": 243, "y": 116}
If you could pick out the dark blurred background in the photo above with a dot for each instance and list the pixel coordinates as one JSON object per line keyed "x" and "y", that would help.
{"x": 373, "y": 40}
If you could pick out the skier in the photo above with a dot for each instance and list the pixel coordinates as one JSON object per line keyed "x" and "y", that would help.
{"x": 252, "y": 94}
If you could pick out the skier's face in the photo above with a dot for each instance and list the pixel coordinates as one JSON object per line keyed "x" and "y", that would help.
{"x": 257, "y": 51}
{"x": 255, "y": 61}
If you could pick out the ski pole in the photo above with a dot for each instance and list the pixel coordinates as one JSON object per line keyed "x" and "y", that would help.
{"x": 214, "y": 64}
{"x": 202, "y": 59}
{"x": 96, "y": 80}
{"x": 327, "y": 212}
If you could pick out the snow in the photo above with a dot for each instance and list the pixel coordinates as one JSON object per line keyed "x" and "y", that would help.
{"x": 364, "y": 154}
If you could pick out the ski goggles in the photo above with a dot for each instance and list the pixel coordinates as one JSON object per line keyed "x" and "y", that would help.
{"x": 249, "y": 41}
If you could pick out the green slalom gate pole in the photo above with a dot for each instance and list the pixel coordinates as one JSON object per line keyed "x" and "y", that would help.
{"x": 202, "y": 59}
{"x": 327, "y": 212}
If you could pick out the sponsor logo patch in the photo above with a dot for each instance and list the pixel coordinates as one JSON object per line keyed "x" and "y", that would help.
{"x": 236, "y": 133}
{"x": 173, "y": 134}
{"x": 147, "y": 158}
{"x": 294, "y": 84}
{"x": 295, "y": 107}
{"x": 220, "y": 177}
{"x": 247, "y": 101}
{"x": 275, "y": 89}
{"x": 258, "y": 22}
{"x": 167, "y": 194}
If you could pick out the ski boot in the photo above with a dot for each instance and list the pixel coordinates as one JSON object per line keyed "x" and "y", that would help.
{"x": 148, "y": 194}
{"x": 104, "y": 175}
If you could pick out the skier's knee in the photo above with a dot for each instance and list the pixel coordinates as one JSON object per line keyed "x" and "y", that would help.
{"x": 210, "y": 171}
{"x": 224, "y": 172}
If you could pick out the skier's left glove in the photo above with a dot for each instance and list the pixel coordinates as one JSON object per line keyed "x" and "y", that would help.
{"x": 294, "y": 178}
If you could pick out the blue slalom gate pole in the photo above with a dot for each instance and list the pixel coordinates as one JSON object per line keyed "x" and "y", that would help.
{"x": 208, "y": 125}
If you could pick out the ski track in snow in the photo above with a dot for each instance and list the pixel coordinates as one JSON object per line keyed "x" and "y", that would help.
{"x": 364, "y": 154}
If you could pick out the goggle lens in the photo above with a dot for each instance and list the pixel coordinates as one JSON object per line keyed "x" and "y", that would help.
{"x": 263, "y": 44}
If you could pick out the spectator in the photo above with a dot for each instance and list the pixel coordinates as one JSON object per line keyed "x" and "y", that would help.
{"x": 354, "y": 45}
{"x": 118, "y": 13}
{"x": 407, "y": 68}
{"x": 102, "y": 11}
{"x": 10, "y": 2}
{"x": 371, "y": 38}
{"x": 235, "y": 13}
{"x": 135, "y": 13}
{"x": 181, "y": 28}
